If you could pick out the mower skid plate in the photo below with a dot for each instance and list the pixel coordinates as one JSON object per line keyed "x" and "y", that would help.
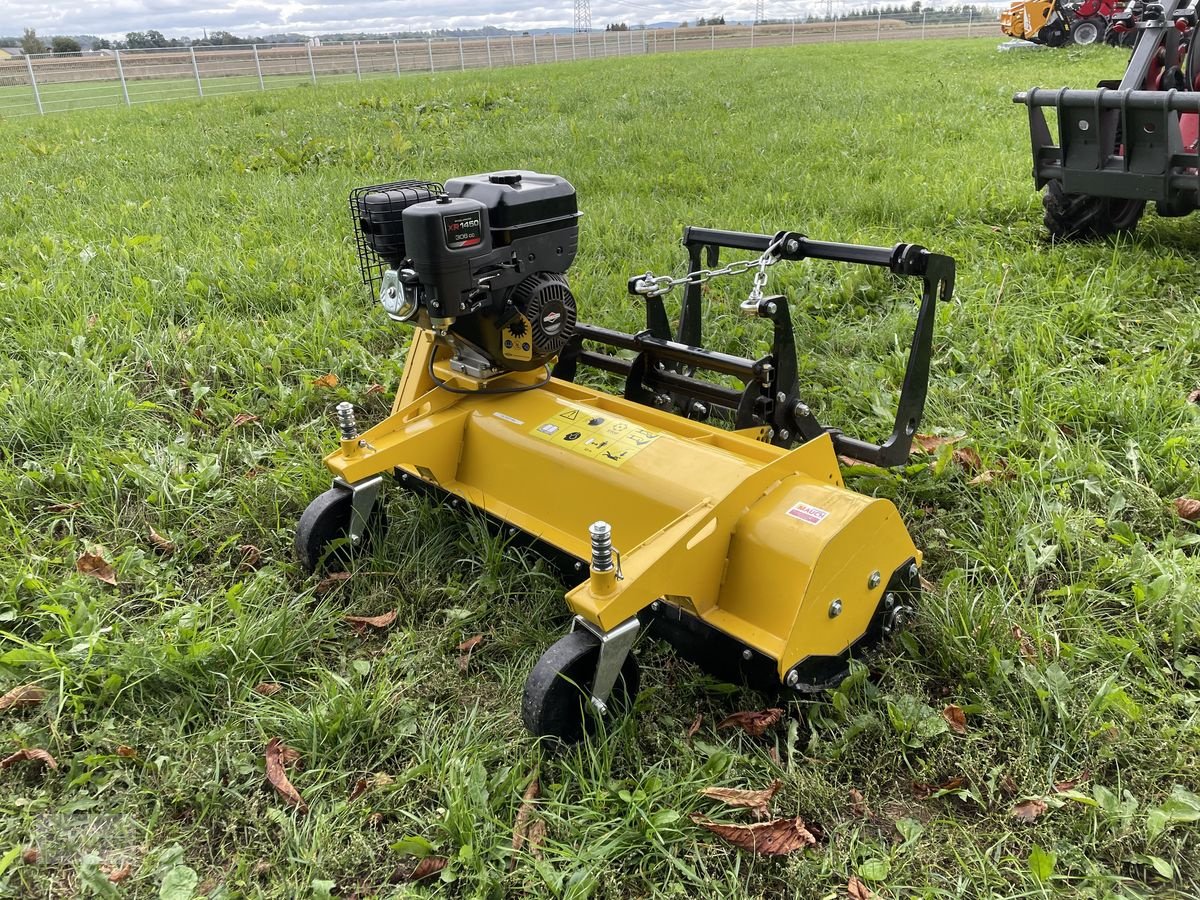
{"x": 1114, "y": 143}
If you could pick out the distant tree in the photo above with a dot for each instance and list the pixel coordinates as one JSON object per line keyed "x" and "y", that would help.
{"x": 31, "y": 43}
{"x": 63, "y": 44}
{"x": 102, "y": 44}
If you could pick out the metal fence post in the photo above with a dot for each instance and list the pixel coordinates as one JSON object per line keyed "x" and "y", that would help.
{"x": 970, "y": 15}
{"x": 554, "y": 45}
{"x": 258, "y": 69}
{"x": 751, "y": 35}
{"x": 196, "y": 71}
{"x": 37, "y": 97}
{"x": 357, "y": 67}
{"x": 793, "y": 31}
{"x": 574, "y": 55}
{"x": 589, "y": 34}
{"x": 712, "y": 38}
{"x": 533, "y": 43}
{"x": 922, "y": 24}
{"x": 462, "y": 60}
{"x": 674, "y": 46}
{"x": 835, "y": 29}
{"x": 121, "y": 75}
{"x": 654, "y": 42}
{"x": 396, "y": 53}
{"x": 512, "y": 48}
{"x": 430, "y": 54}
{"x": 879, "y": 25}
{"x": 488, "y": 41}
{"x": 312, "y": 67}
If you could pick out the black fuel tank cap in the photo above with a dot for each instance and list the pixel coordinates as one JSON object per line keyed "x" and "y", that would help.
{"x": 505, "y": 178}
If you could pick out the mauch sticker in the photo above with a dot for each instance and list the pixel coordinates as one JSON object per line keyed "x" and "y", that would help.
{"x": 595, "y": 434}
{"x": 810, "y": 514}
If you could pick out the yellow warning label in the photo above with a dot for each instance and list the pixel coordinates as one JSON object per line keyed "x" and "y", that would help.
{"x": 593, "y": 433}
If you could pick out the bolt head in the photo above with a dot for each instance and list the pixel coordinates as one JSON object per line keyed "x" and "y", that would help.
{"x": 781, "y": 397}
{"x": 578, "y": 566}
{"x": 913, "y": 572}
{"x": 801, "y": 409}
{"x": 747, "y": 654}
{"x": 873, "y": 581}
{"x": 784, "y": 434}
{"x": 655, "y": 606}
{"x": 792, "y": 246}
{"x": 772, "y": 309}
{"x": 793, "y": 678}
{"x": 835, "y": 609}
{"x": 889, "y": 600}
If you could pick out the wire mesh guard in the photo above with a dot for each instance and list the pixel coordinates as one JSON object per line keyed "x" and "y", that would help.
{"x": 378, "y": 227}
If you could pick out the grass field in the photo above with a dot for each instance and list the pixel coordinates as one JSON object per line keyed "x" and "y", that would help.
{"x": 168, "y": 270}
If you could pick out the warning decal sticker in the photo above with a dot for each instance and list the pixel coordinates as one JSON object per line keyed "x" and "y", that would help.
{"x": 596, "y": 434}
{"x": 810, "y": 514}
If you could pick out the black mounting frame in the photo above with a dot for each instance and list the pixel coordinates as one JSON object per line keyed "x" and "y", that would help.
{"x": 662, "y": 372}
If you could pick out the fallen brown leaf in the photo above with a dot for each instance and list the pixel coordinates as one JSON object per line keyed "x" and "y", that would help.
{"x": 243, "y": 419}
{"x": 931, "y": 443}
{"x": 923, "y": 790}
{"x": 362, "y": 623}
{"x": 773, "y": 752}
{"x": 1028, "y": 811}
{"x": 465, "y": 649}
{"x": 955, "y": 718}
{"x": 268, "y": 688}
{"x": 126, "y": 752}
{"x": 278, "y": 777}
{"x": 694, "y": 727}
{"x": 96, "y": 566}
{"x": 64, "y": 507}
{"x": 856, "y": 889}
{"x": 31, "y": 754}
{"x": 1070, "y": 783}
{"x": 326, "y": 381}
{"x": 521, "y": 825}
{"x": 968, "y": 459}
{"x": 1194, "y": 396}
{"x": 1188, "y": 508}
{"x": 537, "y": 837}
{"x": 778, "y": 838}
{"x": 22, "y": 697}
{"x": 858, "y": 804}
{"x": 161, "y": 544}
{"x": 753, "y": 723}
{"x": 329, "y": 582}
{"x": 755, "y": 801}
{"x": 360, "y": 788}
{"x": 375, "y": 820}
{"x": 251, "y": 557}
{"x": 116, "y": 876}
{"x": 1008, "y": 784}
{"x": 1027, "y": 648}
{"x": 430, "y": 865}
{"x": 30, "y": 855}
{"x": 375, "y": 389}
{"x": 288, "y": 757}
{"x": 851, "y": 461}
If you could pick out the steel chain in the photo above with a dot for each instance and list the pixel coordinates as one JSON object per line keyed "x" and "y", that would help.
{"x": 651, "y": 285}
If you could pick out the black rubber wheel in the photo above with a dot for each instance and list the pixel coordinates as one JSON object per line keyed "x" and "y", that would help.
{"x": 1088, "y": 31}
{"x": 1080, "y": 217}
{"x": 555, "y": 702}
{"x": 323, "y": 530}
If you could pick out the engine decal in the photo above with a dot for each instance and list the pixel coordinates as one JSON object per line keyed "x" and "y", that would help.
{"x": 595, "y": 434}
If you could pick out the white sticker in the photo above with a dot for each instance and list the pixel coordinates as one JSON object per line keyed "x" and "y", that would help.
{"x": 810, "y": 514}
{"x": 500, "y": 415}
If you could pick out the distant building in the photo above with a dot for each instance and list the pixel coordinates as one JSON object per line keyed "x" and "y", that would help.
{"x": 10, "y": 52}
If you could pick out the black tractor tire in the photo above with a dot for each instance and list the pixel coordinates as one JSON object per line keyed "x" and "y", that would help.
{"x": 1086, "y": 32}
{"x": 556, "y": 701}
{"x": 1080, "y": 217}
{"x": 322, "y": 534}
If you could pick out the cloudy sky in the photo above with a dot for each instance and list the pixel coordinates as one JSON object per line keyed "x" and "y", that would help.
{"x": 178, "y": 18}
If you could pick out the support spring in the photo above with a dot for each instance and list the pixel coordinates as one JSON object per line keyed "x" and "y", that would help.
{"x": 346, "y": 421}
{"x": 602, "y": 550}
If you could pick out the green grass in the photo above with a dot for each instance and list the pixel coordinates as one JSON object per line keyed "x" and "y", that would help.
{"x": 165, "y": 269}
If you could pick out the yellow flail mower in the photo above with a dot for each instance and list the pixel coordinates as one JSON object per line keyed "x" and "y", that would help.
{"x": 704, "y": 506}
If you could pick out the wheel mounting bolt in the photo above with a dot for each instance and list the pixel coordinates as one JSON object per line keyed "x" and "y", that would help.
{"x": 793, "y": 678}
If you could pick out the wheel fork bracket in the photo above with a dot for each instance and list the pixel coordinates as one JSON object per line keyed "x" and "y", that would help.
{"x": 365, "y": 493}
{"x": 614, "y": 647}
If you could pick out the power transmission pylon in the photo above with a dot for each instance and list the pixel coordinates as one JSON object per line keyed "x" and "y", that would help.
{"x": 758, "y": 10}
{"x": 583, "y": 15}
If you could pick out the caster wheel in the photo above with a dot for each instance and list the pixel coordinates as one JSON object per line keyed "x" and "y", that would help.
{"x": 556, "y": 704}
{"x": 322, "y": 534}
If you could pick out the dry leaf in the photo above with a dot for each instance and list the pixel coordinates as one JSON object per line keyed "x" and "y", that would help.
{"x": 329, "y": 582}
{"x": 1070, "y": 783}
{"x": 251, "y": 557}
{"x": 267, "y": 688}
{"x": 930, "y": 443}
{"x": 243, "y": 419}
{"x": 381, "y": 779}
{"x": 856, "y": 889}
{"x": 851, "y": 461}
{"x": 694, "y": 727}
{"x": 753, "y": 723}
{"x": 773, "y": 752}
{"x": 30, "y": 855}
{"x": 1008, "y": 785}
{"x": 161, "y": 544}
{"x": 288, "y": 757}
{"x": 29, "y": 753}
{"x": 326, "y": 381}
{"x": 430, "y": 865}
{"x": 956, "y": 718}
{"x": 1194, "y": 396}
{"x": 126, "y": 752}
{"x": 537, "y": 837}
{"x": 1028, "y": 811}
{"x": 968, "y": 459}
{"x": 521, "y": 825}
{"x": 465, "y": 649}
{"x": 1188, "y": 508}
{"x": 755, "y": 801}
{"x": 778, "y": 838}
{"x": 1028, "y": 650}
{"x": 277, "y": 776}
{"x": 64, "y": 507}
{"x": 97, "y": 566}
{"x": 375, "y": 389}
{"x": 22, "y": 697}
{"x": 923, "y": 790}
{"x": 375, "y": 820}
{"x": 116, "y": 876}
{"x": 858, "y": 804}
{"x": 360, "y": 788}
{"x": 361, "y": 623}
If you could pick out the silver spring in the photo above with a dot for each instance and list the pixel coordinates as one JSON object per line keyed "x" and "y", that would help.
{"x": 602, "y": 549}
{"x": 346, "y": 421}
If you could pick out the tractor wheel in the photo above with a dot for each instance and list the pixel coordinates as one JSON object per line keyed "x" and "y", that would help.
{"x": 322, "y": 534}
{"x": 1080, "y": 217}
{"x": 556, "y": 700}
{"x": 1088, "y": 31}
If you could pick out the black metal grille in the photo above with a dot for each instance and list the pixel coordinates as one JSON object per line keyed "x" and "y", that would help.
{"x": 372, "y": 220}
